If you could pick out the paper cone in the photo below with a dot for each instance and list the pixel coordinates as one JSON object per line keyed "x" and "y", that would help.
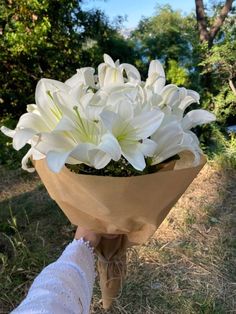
{"x": 111, "y": 267}
{"x": 135, "y": 206}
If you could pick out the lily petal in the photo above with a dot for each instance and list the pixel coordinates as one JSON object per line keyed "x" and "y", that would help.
{"x": 133, "y": 74}
{"x": 35, "y": 155}
{"x": 21, "y": 137}
{"x": 32, "y": 121}
{"x": 156, "y": 76}
{"x": 7, "y": 131}
{"x": 90, "y": 155}
{"x": 125, "y": 110}
{"x": 197, "y": 117}
{"x": 147, "y": 123}
{"x": 65, "y": 124}
{"x": 83, "y": 76}
{"x": 56, "y": 160}
{"x": 156, "y": 67}
{"x": 109, "y": 118}
{"x": 148, "y": 147}
{"x": 54, "y": 142}
{"x": 113, "y": 77}
{"x": 110, "y": 145}
{"x": 31, "y": 108}
{"x": 46, "y": 105}
{"x": 99, "y": 159}
{"x": 25, "y": 160}
{"x": 108, "y": 60}
{"x": 134, "y": 156}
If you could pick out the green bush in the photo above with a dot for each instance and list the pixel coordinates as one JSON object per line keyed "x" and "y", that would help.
{"x": 219, "y": 146}
{"x": 227, "y": 156}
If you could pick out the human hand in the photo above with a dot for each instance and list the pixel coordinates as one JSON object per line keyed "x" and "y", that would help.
{"x": 90, "y": 236}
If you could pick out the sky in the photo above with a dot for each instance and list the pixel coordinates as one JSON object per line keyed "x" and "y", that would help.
{"x": 135, "y": 9}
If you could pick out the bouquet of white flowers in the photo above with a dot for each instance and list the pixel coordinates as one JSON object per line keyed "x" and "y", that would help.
{"x": 90, "y": 132}
{"x": 93, "y": 119}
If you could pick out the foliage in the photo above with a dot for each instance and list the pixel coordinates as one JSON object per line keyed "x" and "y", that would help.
{"x": 219, "y": 146}
{"x": 225, "y": 106}
{"x": 163, "y": 36}
{"x": 220, "y": 62}
{"x": 122, "y": 168}
{"x": 225, "y": 152}
{"x": 228, "y": 157}
{"x": 172, "y": 38}
{"x": 176, "y": 74}
{"x": 49, "y": 39}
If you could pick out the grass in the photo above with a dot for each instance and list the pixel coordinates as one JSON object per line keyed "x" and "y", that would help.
{"x": 188, "y": 267}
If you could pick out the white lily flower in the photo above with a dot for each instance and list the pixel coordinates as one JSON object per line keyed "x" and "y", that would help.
{"x": 111, "y": 73}
{"x": 29, "y": 125}
{"x": 81, "y": 82}
{"x": 132, "y": 134}
{"x": 42, "y": 117}
{"x": 156, "y": 77}
{"x": 176, "y": 99}
{"x": 84, "y": 76}
{"x": 45, "y": 102}
{"x": 97, "y": 156}
{"x": 171, "y": 140}
{"x": 73, "y": 130}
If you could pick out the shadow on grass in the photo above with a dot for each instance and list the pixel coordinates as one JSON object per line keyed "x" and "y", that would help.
{"x": 33, "y": 232}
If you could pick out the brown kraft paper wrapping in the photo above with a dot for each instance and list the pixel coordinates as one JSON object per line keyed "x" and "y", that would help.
{"x": 130, "y": 206}
{"x": 135, "y": 206}
{"x": 111, "y": 267}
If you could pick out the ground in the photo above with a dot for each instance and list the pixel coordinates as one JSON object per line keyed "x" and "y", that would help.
{"x": 189, "y": 266}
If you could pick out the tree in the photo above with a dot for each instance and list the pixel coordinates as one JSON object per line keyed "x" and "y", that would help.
{"x": 172, "y": 38}
{"x": 50, "y": 38}
{"x": 207, "y": 32}
{"x": 220, "y": 61}
{"x": 212, "y": 35}
{"x": 163, "y": 36}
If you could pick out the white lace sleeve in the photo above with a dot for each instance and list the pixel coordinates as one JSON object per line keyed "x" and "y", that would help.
{"x": 65, "y": 286}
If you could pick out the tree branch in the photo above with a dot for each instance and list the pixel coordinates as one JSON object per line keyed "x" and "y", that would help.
{"x": 231, "y": 84}
{"x": 220, "y": 19}
{"x": 205, "y": 34}
{"x": 201, "y": 21}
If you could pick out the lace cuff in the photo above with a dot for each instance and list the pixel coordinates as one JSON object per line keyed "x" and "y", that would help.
{"x": 81, "y": 253}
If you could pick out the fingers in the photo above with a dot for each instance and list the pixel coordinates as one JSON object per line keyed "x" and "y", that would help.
{"x": 110, "y": 236}
{"x": 90, "y": 236}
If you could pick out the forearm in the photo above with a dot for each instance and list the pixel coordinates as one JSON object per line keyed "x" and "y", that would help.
{"x": 64, "y": 286}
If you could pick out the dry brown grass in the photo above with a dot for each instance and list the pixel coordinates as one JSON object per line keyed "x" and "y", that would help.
{"x": 189, "y": 266}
